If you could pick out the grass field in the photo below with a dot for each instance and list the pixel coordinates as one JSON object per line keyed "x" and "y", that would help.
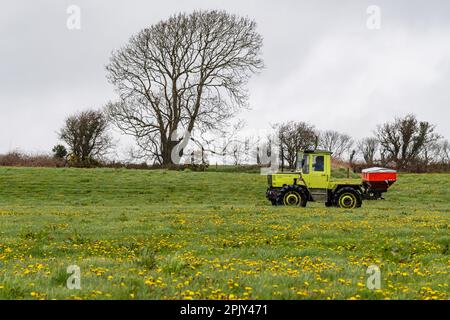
{"x": 188, "y": 235}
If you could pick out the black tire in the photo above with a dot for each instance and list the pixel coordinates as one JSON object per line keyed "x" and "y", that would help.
{"x": 348, "y": 198}
{"x": 292, "y": 196}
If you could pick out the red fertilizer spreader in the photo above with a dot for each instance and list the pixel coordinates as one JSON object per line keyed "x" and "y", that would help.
{"x": 376, "y": 181}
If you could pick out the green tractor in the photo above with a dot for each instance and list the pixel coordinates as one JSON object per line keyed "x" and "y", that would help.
{"x": 312, "y": 182}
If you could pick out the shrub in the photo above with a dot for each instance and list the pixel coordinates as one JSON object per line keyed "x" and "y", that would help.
{"x": 19, "y": 159}
{"x": 59, "y": 151}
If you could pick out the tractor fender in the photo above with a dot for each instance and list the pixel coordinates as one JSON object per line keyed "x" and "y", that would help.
{"x": 353, "y": 186}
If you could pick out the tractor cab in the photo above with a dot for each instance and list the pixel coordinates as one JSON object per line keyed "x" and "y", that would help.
{"x": 315, "y": 168}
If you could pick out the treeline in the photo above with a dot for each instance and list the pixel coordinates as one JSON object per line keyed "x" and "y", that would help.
{"x": 406, "y": 144}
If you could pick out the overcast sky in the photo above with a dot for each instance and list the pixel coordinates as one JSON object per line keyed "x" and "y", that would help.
{"x": 323, "y": 64}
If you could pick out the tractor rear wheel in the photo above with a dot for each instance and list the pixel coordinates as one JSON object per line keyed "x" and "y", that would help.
{"x": 292, "y": 196}
{"x": 348, "y": 198}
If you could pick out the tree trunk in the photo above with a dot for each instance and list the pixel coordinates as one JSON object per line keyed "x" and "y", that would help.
{"x": 166, "y": 153}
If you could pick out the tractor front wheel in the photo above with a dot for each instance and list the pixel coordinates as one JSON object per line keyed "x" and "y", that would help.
{"x": 292, "y": 196}
{"x": 348, "y": 198}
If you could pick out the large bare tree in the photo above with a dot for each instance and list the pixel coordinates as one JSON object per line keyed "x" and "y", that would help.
{"x": 86, "y": 134}
{"x": 184, "y": 74}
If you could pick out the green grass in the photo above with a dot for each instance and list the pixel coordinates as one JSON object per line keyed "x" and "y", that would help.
{"x": 212, "y": 235}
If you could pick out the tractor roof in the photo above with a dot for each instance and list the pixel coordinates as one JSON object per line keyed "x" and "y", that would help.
{"x": 317, "y": 151}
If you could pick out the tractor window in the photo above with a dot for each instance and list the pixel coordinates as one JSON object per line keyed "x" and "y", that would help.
{"x": 305, "y": 164}
{"x": 318, "y": 163}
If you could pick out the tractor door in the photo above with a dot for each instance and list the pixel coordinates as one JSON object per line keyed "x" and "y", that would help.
{"x": 319, "y": 171}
